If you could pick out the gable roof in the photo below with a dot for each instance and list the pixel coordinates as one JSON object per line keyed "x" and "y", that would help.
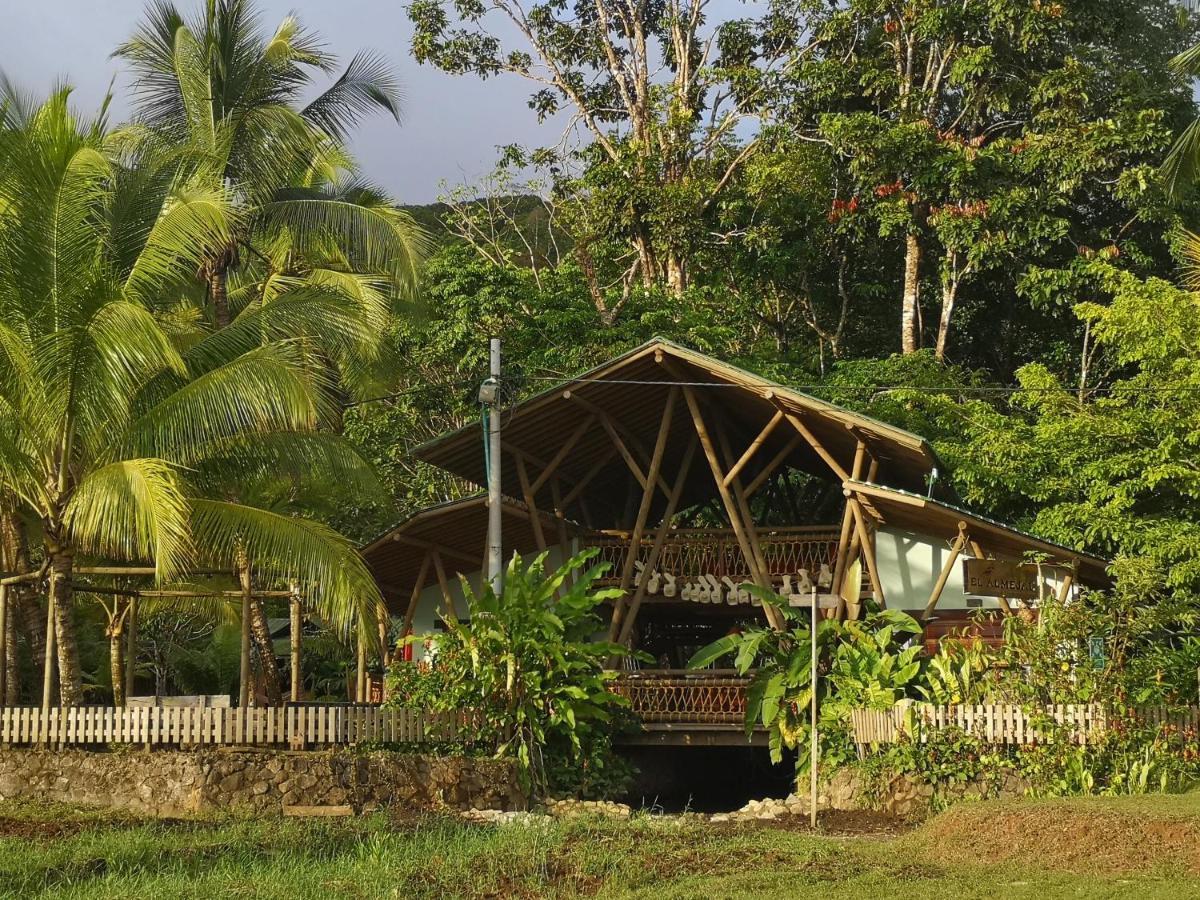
{"x": 632, "y": 390}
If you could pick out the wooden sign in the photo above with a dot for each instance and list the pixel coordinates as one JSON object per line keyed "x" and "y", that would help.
{"x": 1000, "y": 578}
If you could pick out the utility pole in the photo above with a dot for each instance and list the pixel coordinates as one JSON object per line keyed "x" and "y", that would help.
{"x": 814, "y": 748}
{"x": 489, "y": 396}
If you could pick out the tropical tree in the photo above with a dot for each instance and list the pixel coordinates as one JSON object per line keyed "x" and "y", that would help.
{"x": 109, "y": 431}
{"x": 219, "y": 100}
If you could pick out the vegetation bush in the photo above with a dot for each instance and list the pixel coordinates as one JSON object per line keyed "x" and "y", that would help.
{"x": 529, "y": 663}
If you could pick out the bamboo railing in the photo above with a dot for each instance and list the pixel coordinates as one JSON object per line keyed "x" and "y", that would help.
{"x": 691, "y": 552}
{"x": 712, "y": 697}
{"x": 1002, "y": 723}
{"x": 289, "y": 726}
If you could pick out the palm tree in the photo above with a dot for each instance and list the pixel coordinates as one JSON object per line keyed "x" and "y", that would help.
{"x": 108, "y": 428}
{"x": 1181, "y": 168}
{"x": 221, "y": 100}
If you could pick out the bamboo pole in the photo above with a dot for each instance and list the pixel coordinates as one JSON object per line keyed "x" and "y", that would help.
{"x": 415, "y": 597}
{"x": 3, "y": 643}
{"x": 727, "y": 499}
{"x": 131, "y": 646}
{"x": 297, "y": 626}
{"x": 530, "y": 504}
{"x": 643, "y": 513}
{"x": 444, "y": 585}
{"x": 841, "y": 561}
{"x": 360, "y": 690}
{"x": 755, "y": 444}
{"x": 868, "y": 550}
{"x": 48, "y": 671}
{"x": 959, "y": 543}
{"x": 247, "y": 600}
{"x": 659, "y": 540}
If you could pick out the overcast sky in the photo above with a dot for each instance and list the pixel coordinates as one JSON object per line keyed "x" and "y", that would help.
{"x": 451, "y": 128}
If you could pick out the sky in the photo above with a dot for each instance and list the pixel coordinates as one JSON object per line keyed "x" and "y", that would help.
{"x": 452, "y": 125}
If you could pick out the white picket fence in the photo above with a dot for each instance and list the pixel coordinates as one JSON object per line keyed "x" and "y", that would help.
{"x": 290, "y": 726}
{"x": 1002, "y": 723}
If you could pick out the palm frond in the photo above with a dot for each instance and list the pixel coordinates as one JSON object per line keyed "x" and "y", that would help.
{"x": 333, "y": 577}
{"x": 133, "y": 510}
{"x": 368, "y": 85}
{"x": 265, "y": 390}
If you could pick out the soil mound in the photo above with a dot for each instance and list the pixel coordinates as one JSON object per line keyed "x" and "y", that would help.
{"x": 1078, "y": 836}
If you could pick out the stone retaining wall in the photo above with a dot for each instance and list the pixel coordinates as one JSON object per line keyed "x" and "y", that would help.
{"x": 177, "y": 783}
{"x": 906, "y": 796}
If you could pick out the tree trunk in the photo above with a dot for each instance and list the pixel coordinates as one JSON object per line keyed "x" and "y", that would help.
{"x": 676, "y": 275}
{"x": 116, "y": 661}
{"x": 268, "y": 666}
{"x": 33, "y": 623}
{"x": 218, "y": 295}
{"x": 909, "y": 337}
{"x": 949, "y": 295}
{"x": 70, "y": 678}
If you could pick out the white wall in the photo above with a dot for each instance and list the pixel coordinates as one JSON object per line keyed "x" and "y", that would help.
{"x": 909, "y": 565}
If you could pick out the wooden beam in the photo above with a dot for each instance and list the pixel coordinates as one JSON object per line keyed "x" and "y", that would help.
{"x": 415, "y": 597}
{"x": 564, "y": 541}
{"x": 556, "y": 460}
{"x": 817, "y": 446}
{"x": 774, "y": 616}
{"x": 936, "y": 594}
{"x": 776, "y": 461}
{"x": 754, "y": 446}
{"x": 643, "y": 513}
{"x": 660, "y": 538}
{"x": 1064, "y": 590}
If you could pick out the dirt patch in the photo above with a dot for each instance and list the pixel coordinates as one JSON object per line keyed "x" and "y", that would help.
{"x": 33, "y": 830}
{"x": 841, "y": 823}
{"x": 1070, "y": 836}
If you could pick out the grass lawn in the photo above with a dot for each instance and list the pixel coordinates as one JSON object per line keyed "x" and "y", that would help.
{"x": 1143, "y": 847}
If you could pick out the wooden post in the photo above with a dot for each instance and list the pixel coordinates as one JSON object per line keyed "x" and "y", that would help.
{"x": 535, "y": 520}
{"x": 774, "y": 617}
{"x": 385, "y": 626}
{"x": 660, "y": 538}
{"x": 959, "y": 543}
{"x": 1069, "y": 579}
{"x": 247, "y": 602}
{"x": 297, "y": 628}
{"x": 131, "y": 646}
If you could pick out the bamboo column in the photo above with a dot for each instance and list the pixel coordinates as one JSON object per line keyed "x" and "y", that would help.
{"x": 360, "y": 688}
{"x": 3, "y": 643}
{"x": 730, "y": 503}
{"x": 297, "y": 626}
{"x": 244, "y": 686}
{"x": 131, "y": 646}
{"x": 960, "y": 542}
